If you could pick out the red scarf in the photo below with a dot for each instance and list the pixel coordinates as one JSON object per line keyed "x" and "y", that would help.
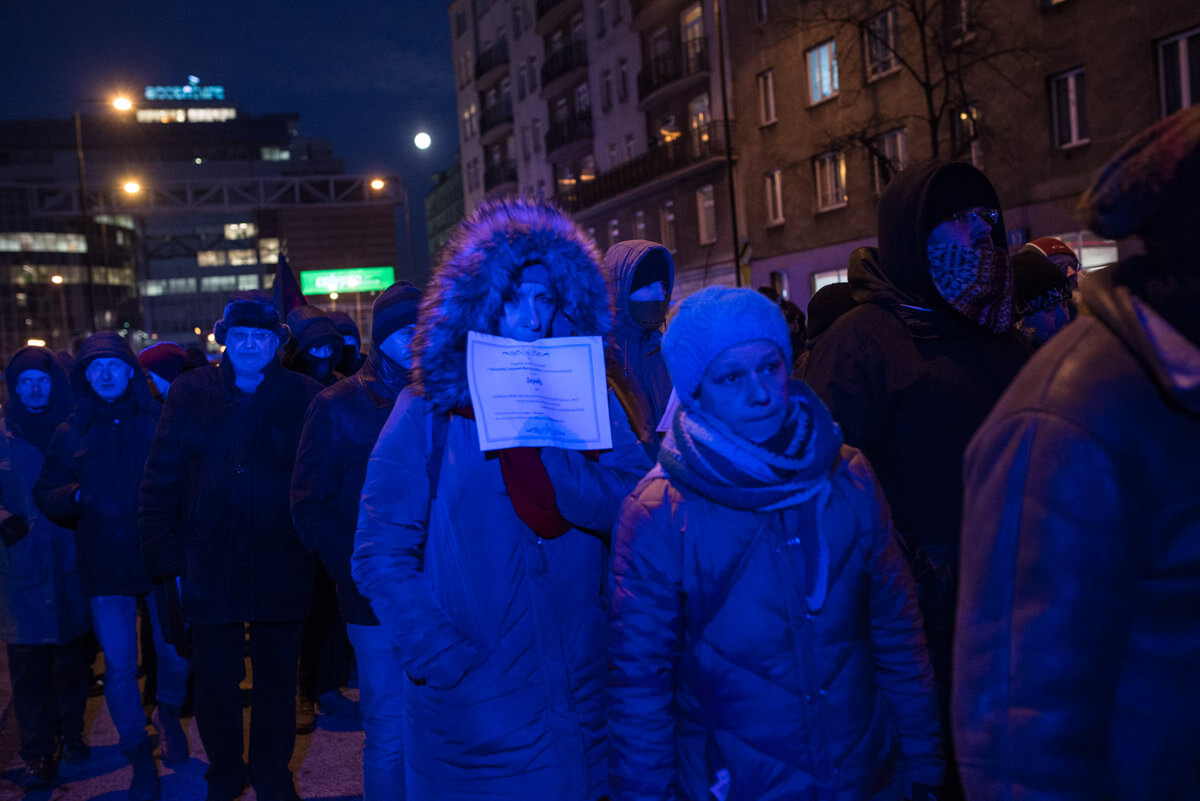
{"x": 529, "y": 487}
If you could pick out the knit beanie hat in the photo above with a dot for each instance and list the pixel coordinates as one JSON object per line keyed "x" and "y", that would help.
{"x": 250, "y": 310}
{"x": 165, "y": 359}
{"x": 1151, "y": 188}
{"x": 312, "y": 328}
{"x": 1037, "y": 283}
{"x": 395, "y": 308}
{"x": 711, "y": 321}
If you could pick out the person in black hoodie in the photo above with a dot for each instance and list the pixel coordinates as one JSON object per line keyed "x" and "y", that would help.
{"x": 315, "y": 347}
{"x": 44, "y": 615}
{"x": 215, "y": 512}
{"x": 351, "y": 359}
{"x": 911, "y": 372}
{"x": 89, "y": 482}
{"x": 340, "y": 430}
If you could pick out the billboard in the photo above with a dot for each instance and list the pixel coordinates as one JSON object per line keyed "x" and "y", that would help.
{"x": 357, "y": 279}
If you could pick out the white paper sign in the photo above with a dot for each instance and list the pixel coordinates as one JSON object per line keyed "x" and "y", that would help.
{"x": 550, "y": 392}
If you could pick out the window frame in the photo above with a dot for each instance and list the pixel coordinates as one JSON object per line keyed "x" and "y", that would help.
{"x": 827, "y": 195}
{"x": 898, "y": 160}
{"x": 817, "y": 79}
{"x": 706, "y": 215}
{"x": 874, "y": 70}
{"x": 1076, "y": 110}
{"x": 1184, "y": 39}
{"x": 766, "y": 97}
{"x": 773, "y": 188}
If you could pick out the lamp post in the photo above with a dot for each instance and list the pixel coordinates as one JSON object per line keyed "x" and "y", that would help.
{"x": 121, "y": 104}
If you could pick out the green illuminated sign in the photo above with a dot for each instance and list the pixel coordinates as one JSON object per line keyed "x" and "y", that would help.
{"x": 364, "y": 279}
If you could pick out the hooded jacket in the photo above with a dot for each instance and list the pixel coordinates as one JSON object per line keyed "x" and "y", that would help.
{"x": 906, "y": 376}
{"x": 93, "y": 470}
{"x": 215, "y": 500}
{"x": 503, "y": 632}
{"x": 781, "y": 647}
{"x": 340, "y": 429}
{"x": 41, "y": 593}
{"x": 636, "y": 368}
{"x": 1079, "y": 617}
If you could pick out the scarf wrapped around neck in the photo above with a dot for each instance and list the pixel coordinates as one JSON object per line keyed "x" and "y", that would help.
{"x": 706, "y": 456}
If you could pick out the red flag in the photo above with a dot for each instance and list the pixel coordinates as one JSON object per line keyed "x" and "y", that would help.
{"x": 287, "y": 289}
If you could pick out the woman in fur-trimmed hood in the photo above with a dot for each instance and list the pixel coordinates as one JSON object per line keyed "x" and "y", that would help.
{"x": 489, "y": 567}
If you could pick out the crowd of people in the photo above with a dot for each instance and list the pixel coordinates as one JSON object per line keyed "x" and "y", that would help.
{"x": 940, "y": 540}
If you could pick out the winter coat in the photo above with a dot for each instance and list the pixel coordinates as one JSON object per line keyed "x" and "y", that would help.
{"x": 503, "y": 632}
{"x": 340, "y": 430}
{"x": 41, "y": 593}
{"x": 1078, "y": 633}
{"x": 908, "y": 378}
{"x": 719, "y": 662}
{"x": 215, "y": 501}
{"x": 636, "y": 367}
{"x": 93, "y": 469}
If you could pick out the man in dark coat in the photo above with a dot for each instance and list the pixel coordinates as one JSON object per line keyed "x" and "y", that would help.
{"x": 90, "y": 483}
{"x": 351, "y": 359}
{"x": 44, "y": 615}
{"x": 215, "y": 511}
{"x": 1075, "y": 667}
{"x": 340, "y": 430}
{"x": 910, "y": 373}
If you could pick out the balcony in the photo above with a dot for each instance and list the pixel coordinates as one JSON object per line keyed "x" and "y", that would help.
{"x": 703, "y": 145}
{"x": 553, "y": 14}
{"x": 491, "y": 64}
{"x": 676, "y": 70}
{"x": 498, "y": 174}
{"x": 576, "y": 130}
{"x": 563, "y": 64}
{"x": 495, "y": 120}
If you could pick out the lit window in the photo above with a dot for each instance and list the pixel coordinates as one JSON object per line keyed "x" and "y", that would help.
{"x": 268, "y": 250}
{"x": 889, "y": 156}
{"x": 237, "y": 231}
{"x": 827, "y": 277}
{"x": 964, "y": 135}
{"x": 181, "y": 286}
{"x": 706, "y": 214}
{"x": 881, "y": 44}
{"x": 218, "y": 283}
{"x": 211, "y": 258}
{"x": 154, "y": 287}
{"x": 766, "y": 97}
{"x": 822, "y": 72}
{"x": 830, "y": 173}
{"x": 773, "y": 184}
{"x": 666, "y": 224}
{"x": 243, "y": 257}
{"x": 1068, "y": 109}
{"x": 1179, "y": 71}
{"x": 247, "y": 282}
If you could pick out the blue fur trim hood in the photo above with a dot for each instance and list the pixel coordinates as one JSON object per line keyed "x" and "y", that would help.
{"x": 477, "y": 274}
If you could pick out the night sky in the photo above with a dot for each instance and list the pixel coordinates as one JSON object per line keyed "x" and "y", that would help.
{"x": 365, "y": 74}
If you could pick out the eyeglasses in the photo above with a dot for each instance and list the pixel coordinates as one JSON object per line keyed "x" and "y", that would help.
{"x": 968, "y": 216}
{"x": 259, "y": 336}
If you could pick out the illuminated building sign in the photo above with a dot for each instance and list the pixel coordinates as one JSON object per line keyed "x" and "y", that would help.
{"x": 191, "y": 114}
{"x": 365, "y": 279}
{"x": 192, "y": 91}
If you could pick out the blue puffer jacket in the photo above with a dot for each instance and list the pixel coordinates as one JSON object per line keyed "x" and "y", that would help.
{"x": 725, "y": 657}
{"x": 502, "y": 632}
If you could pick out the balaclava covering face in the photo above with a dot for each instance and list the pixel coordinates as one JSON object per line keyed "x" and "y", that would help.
{"x": 976, "y": 280}
{"x": 650, "y": 313}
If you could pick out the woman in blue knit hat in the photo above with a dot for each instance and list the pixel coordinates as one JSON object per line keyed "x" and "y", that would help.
{"x": 765, "y": 636}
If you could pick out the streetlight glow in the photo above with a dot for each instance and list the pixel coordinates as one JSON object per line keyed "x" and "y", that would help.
{"x": 56, "y": 279}
{"x": 132, "y": 187}
{"x": 333, "y": 296}
{"x": 122, "y": 103}
{"x": 422, "y": 141}
{"x": 377, "y": 184}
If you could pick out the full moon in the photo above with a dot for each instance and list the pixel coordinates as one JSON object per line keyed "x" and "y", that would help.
{"x": 422, "y": 141}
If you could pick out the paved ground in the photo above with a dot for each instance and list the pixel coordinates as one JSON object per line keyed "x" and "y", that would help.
{"x": 327, "y": 763}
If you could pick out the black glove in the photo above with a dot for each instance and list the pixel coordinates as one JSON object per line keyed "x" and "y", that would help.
{"x": 175, "y": 629}
{"x": 13, "y": 530}
{"x": 923, "y": 792}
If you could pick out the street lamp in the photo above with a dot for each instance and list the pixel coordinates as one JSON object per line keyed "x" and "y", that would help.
{"x": 121, "y": 104}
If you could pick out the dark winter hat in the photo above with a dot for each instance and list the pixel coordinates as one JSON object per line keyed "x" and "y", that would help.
{"x": 395, "y": 308}
{"x": 250, "y": 310}
{"x": 1037, "y": 283}
{"x": 711, "y": 321}
{"x": 1151, "y": 188}
{"x": 829, "y": 303}
{"x": 30, "y": 357}
{"x": 1051, "y": 246}
{"x": 955, "y": 187}
{"x": 312, "y": 328}
{"x": 655, "y": 266}
{"x": 165, "y": 359}
{"x": 345, "y": 325}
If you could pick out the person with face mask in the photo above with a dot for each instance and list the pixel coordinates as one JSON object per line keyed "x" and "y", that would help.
{"x": 90, "y": 483}
{"x": 1042, "y": 295}
{"x": 911, "y": 372}
{"x": 44, "y": 616}
{"x": 351, "y": 360}
{"x": 315, "y": 347}
{"x": 215, "y": 516}
{"x": 765, "y": 636}
{"x": 643, "y": 273}
{"x": 487, "y": 570}
{"x": 340, "y": 429}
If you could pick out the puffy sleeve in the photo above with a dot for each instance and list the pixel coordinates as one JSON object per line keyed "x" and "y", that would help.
{"x": 393, "y": 522}
{"x": 646, "y": 644}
